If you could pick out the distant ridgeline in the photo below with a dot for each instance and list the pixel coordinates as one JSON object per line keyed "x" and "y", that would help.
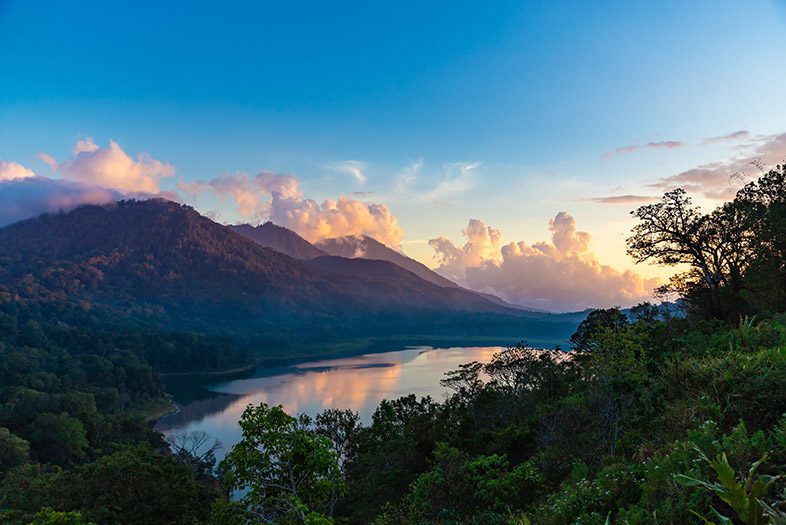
{"x": 203, "y": 295}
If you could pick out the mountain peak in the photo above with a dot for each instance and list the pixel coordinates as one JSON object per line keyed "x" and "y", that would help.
{"x": 280, "y": 239}
{"x": 366, "y": 247}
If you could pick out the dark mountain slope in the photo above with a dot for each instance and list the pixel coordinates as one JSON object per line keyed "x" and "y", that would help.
{"x": 154, "y": 252}
{"x": 399, "y": 282}
{"x": 368, "y": 248}
{"x": 279, "y": 239}
{"x": 164, "y": 264}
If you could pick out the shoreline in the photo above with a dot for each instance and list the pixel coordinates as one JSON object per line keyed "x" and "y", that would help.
{"x": 238, "y": 370}
{"x": 368, "y": 346}
{"x": 382, "y": 345}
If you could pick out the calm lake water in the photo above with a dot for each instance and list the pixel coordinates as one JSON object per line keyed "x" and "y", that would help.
{"x": 358, "y": 383}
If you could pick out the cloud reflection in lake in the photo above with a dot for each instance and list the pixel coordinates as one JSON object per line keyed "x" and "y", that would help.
{"x": 358, "y": 383}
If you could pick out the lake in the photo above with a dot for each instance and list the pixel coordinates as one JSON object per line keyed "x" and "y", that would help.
{"x": 358, "y": 383}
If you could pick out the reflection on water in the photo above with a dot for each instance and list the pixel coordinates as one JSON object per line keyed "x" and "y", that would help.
{"x": 358, "y": 383}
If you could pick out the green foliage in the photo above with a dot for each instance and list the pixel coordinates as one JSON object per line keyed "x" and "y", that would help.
{"x": 287, "y": 474}
{"x": 597, "y": 322}
{"x": 73, "y": 434}
{"x": 743, "y": 496}
{"x": 47, "y": 516}
{"x": 134, "y": 485}
{"x": 13, "y": 451}
{"x": 457, "y": 486}
{"x": 58, "y": 438}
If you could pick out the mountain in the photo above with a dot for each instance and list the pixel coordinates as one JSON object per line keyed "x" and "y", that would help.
{"x": 280, "y": 239}
{"x": 363, "y": 246}
{"x": 167, "y": 267}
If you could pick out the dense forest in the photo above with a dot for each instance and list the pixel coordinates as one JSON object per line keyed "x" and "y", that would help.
{"x": 653, "y": 417}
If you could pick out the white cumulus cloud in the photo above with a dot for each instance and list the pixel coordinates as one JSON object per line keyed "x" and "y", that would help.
{"x": 111, "y": 167}
{"x": 278, "y": 198}
{"x": 92, "y": 175}
{"x": 563, "y": 274}
{"x": 14, "y": 171}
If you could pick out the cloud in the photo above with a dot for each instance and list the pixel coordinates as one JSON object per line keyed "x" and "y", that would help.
{"x": 563, "y": 274}
{"x": 624, "y": 199}
{"x": 111, "y": 167}
{"x": 408, "y": 175}
{"x": 666, "y": 144}
{"x": 251, "y": 194}
{"x": 632, "y": 148}
{"x": 721, "y": 180}
{"x": 729, "y": 137}
{"x": 355, "y": 168}
{"x": 49, "y": 160}
{"x": 92, "y": 175}
{"x": 458, "y": 178}
{"x": 623, "y": 150}
{"x": 13, "y": 171}
{"x": 278, "y": 197}
{"x": 31, "y": 196}
{"x": 84, "y": 146}
{"x": 483, "y": 244}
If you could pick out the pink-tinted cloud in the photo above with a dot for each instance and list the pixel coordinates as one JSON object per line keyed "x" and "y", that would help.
{"x": 13, "y": 171}
{"x": 563, "y": 274}
{"x": 632, "y": 148}
{"x": 111, "y": 167}
{"x": 483, "y": 244}
{"x": 92, "y": 175}
{"x": 624, "y": 199}
{"x": 721, "y": 180}
{"x": 278, "y": 198}
{"x": 728, "y": 137}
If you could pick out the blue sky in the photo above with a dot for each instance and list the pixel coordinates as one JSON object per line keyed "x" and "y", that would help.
{"x": 533, "y": 96}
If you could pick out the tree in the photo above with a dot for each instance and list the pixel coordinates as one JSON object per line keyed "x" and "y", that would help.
{"x": 13, "y": 451}
{"x": 137, "y": 485}
{"x": 717, "y": 248}
{"x": 765, "y": 201}
{"x": 598, "y": 321}
{"x": 47, "y": 516}
{"x": 59, "y": 439}
{"x": 193, "y": 450}
{"x": 288, "y": 474}
{"x": 341, "y": 427}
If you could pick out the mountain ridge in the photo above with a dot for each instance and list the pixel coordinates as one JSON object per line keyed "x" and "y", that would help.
{"x": 164, "y": 264}
{"x": 363, "y": 246}
{"x": 280, "y": 239}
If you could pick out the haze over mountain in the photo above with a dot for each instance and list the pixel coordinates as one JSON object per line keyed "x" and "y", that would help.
{"x": 280, "y": 239}
{"x": 363, "y": 246}
{"x": 166, "y": 265}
